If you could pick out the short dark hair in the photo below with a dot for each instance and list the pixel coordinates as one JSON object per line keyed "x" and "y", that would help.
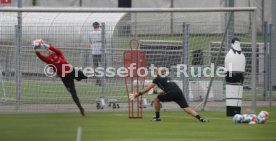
{"x": 235, "y": 39}
{"x": 96, "y": 25}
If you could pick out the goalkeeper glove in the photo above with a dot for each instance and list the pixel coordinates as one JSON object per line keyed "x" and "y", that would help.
{"x": 137, "y": 94}
{"x": 134, "y": 95}
{"x": 46, "y": 46}
{"x": 39, "y": 43}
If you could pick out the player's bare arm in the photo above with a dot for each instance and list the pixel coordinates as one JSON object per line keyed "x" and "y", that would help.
{"x": 146, "y": 89}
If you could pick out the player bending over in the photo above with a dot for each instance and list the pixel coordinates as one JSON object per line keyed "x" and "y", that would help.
{"x": 171, "y": 92}
{"x": 56, "y": 59}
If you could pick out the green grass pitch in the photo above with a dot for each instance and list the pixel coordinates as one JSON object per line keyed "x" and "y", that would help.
{"x": 115, "y": 126}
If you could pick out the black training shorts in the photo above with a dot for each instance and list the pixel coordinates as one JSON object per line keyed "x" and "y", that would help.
{"x": 73, "y": 75}
{"x": 176, "y": 96}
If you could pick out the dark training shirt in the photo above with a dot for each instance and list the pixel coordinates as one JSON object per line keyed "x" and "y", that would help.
{"x": 165, "y": 83}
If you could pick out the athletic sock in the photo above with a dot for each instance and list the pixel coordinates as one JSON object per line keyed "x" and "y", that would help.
{"x": 198, "y": 117}
{"x": 157, "y": 114}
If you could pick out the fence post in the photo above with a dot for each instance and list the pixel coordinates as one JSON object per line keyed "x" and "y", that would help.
{"x": 103, "y": 60}
{"x": 253, "y": 73}
{"x": 18, "y": 34}
{"x": 185, "y": 55}
{"x": 269, "y": 64}
{"x": 266, "y": 62}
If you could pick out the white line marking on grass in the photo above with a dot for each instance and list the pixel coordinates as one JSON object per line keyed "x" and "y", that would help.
{"x": 79, "y": 130}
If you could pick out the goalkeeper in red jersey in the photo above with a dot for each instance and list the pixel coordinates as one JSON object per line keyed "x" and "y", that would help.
{"x": 56, "y": 60}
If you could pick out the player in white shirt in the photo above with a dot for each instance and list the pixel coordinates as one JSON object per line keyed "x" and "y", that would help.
{"x": 95, "y": 39}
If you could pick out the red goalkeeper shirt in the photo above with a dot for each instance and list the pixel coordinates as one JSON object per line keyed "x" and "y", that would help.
{"x": 57, "y": 62}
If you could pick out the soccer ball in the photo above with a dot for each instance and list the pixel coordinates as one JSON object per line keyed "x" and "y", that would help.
{"x": 238, "y": 118}
{"x": 264, "y": 114}
{"x": 261, "y": 119}
{"x": 246, "y": 118}
{"x": 252, "y": 118}
{"x": 39, "y": 43}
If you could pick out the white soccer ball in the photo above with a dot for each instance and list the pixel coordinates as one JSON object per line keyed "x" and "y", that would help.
{"x": 39, "y": 43}
{"x": 238, "y": 118}
{"x": 264, "y": 114}
{"x": 260, "y": 119}
{"x": 246, "y": 118}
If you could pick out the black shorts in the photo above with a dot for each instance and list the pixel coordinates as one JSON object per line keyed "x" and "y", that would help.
{"x": 78, "y": 76}
{"x": 68, "y": 80}
{"x": 176, "y": 96}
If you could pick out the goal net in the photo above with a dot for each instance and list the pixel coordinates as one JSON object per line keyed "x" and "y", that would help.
{"x": 170, "y": 39}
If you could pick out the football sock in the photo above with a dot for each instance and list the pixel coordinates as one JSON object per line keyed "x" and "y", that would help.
{"x": 157, "y": 114}
{"x": 198, "y": 117}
